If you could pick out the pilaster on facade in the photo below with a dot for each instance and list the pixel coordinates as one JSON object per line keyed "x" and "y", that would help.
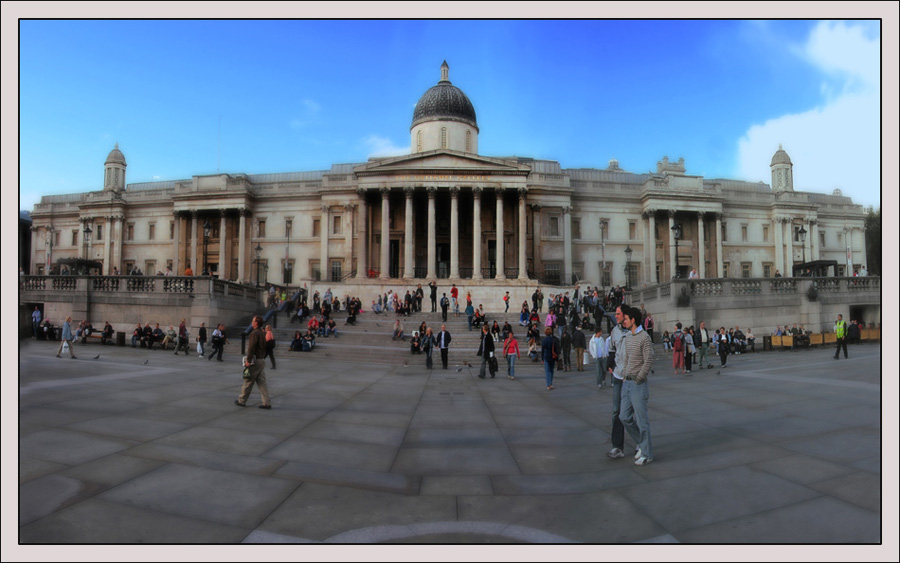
{"x": 476, "y": 233}
{"x": 432, "y": 233}
{"x": 454, "y": 233}
{"x": 500, "y": 238}
{"x": 523, "y": 264}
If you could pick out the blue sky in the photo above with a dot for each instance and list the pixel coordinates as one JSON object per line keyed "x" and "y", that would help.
{"x": 184, "y": 98}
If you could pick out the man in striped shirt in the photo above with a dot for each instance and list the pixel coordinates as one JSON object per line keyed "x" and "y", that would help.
{"x": 635, "y": 389}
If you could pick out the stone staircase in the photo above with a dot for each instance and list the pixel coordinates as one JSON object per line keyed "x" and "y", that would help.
{"x": 370, "y": 338}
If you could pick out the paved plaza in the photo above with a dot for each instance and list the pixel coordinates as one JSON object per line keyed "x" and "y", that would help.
{"x": 144, "y": 446}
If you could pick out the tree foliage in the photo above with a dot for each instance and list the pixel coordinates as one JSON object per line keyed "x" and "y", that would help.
{"x": 873, "y": 242}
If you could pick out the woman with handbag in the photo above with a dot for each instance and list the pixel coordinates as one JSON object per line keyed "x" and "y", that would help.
{"x": 511, "y": 352}
{"x": 270, "y": 345}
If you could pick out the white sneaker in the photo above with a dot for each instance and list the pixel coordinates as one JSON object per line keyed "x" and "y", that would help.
{"x": 643, "y": 460}
{"x": 615, "y": 453}
{"x": 637, "y": 454}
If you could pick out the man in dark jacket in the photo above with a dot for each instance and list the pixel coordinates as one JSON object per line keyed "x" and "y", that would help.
{"x": 486, "y": 351}
{"x": 442, "y": 341}
{"x": 255, "y": 362}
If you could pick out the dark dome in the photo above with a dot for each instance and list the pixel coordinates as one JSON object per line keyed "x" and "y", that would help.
{"x": 115, "y": 156}
{"x": 780, "y": 157}
{"x": 444, "y": 101}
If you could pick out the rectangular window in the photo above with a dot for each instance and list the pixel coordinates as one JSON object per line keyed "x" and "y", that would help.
{"x": 288, "y": 227}
{"x": 336, "y": 274}
{"x": 745, "y": 269}
{"x": 129, "y": 231}
{"x": 152, "y": 231}
{"x": 658, "y": 270}
{"x": 288, "y": 271}
{"x": 765, "y": 233}
{"x": 822, "y": 239}
{"x": 604, "y": 229}
{"x": 75, "y": 237}
{"x": 743, "y": 233}
{"x": 337, "y": 225}
{"x": 842, "y": 270}
{"x": 633, "y": 273}
{"x": 554, "y": 226}
{"x": 171, "y": 230}
{"x": 40, "y": 269}
{"x": 150, "y": 267}
{"x": 632, "y": 230}
{"x": 314, "y": 271}
{"x": 169, "y": 266}
{"x": 56, "y": 238}
{"x": 725, "y": 269}
{"x": 576, "y": 229}
{"x": 605, "y": 274}
{"x": 552, "y": 273}
{"x": 767, "y": 269}
{"x": 724, "y": 234}
{"x": 261, "y": 225}
{"x": 98, "y": 232}
{"x": 129, "y": 266}
{"x": 316, "y": 227}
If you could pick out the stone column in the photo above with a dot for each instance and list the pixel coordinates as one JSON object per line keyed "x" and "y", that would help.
{"x": 814, "y": 235}
{"x": 476, "y": 233}
{"x": 500, "y": 239}
{"x": 34, "y": 245}
{"x": 779, "y": 245}
{"x": 701, "y": 270}
{"x": 523, "y": 261}
{"x": 848, "y": 243}
{"x": 408, "y": 234}
{"x": 197, "y": 268}
{"x": 362, "y": 264}
{"x": 176, "y": 244}
{"x": 651, "y": 220}
{"x": 242, "y": 247}
{"x": 348, "y": 234}
{"x": 567, "y": 244}
{"x": 536, "y": 238}
{"x": 223, "y": 246}
{"x": 119, "y": 242}
{"x": 385, "y": 233}
{"x": 107, "y": 259}
{"x": 454, "y": 233}
{"x": 671, "y": 237}
{"x": 432, "y": 233}
{"x": 323, "y": 243}
{"x": 720, "y": 269}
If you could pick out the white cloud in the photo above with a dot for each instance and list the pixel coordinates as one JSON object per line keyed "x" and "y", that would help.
{"x": 837, "y": 144}
{"x": 382, "y": 146}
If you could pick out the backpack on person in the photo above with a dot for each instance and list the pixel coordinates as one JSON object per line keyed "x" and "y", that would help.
{"x": 678, "y": 345}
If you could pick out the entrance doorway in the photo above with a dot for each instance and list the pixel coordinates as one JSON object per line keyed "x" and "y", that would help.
{"x": 394, "y": 266}
{"x": 443, "y": 260}
{"x": 492, "y": 259}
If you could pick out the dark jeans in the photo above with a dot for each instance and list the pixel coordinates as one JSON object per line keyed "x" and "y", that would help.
{"x": 618, "y": 429}
{"x": 841, "y": 344}
{"x": 444, "y": 358}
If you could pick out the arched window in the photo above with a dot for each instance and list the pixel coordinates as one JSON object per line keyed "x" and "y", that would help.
{"x": 443, "y": 137}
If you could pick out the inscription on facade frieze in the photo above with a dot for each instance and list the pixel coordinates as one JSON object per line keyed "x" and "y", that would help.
{"x": 443, "y": 177}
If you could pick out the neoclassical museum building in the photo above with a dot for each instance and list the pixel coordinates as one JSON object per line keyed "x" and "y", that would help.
{"x": 446, "y": 211}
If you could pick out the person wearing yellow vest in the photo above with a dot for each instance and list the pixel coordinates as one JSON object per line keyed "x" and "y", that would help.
{"x": 840, "y": 331}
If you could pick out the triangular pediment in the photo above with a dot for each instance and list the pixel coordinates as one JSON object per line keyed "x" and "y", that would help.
{"x": 441, "y": 161}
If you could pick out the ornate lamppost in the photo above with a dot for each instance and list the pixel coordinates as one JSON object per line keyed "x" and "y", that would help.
{"x": 258, "y": 250}
{"x": 87, "y": 240}
{"x": 801, "y": 234}
{"x": 207, "y": 228}
{"x": 676, "y": 234}
{"x": 628, "y": 252}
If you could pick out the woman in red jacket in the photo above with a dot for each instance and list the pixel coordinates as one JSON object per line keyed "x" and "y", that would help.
{"x": 511, "y": 352}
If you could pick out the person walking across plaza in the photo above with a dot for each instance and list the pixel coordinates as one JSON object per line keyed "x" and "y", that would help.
{"x": 442, "y": 341}
{"x": 511, "y": 353}
{"x": 218, "y": 342}
{"x": 201, "y": 340}
{"x": 579, "y": 343}
{"x": 470, "y": 312}
{"x": 840, "y": 331}
{"x": 635, "y": 389}
{"x": 270, "y": 345}
{"x": 598, "y": 349}
{"x": 614, "y": 363}
{"x": 549, "y": 354}
{"x": 36, "y": 321}
{"x": 486, "y": 351}
{"x": 67, "y": 336}
{"x": 428, "y": 347}
{"x": 255, "y": 364}
{"x": 679, "y": 349}
{"x": 703, "y": 342}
